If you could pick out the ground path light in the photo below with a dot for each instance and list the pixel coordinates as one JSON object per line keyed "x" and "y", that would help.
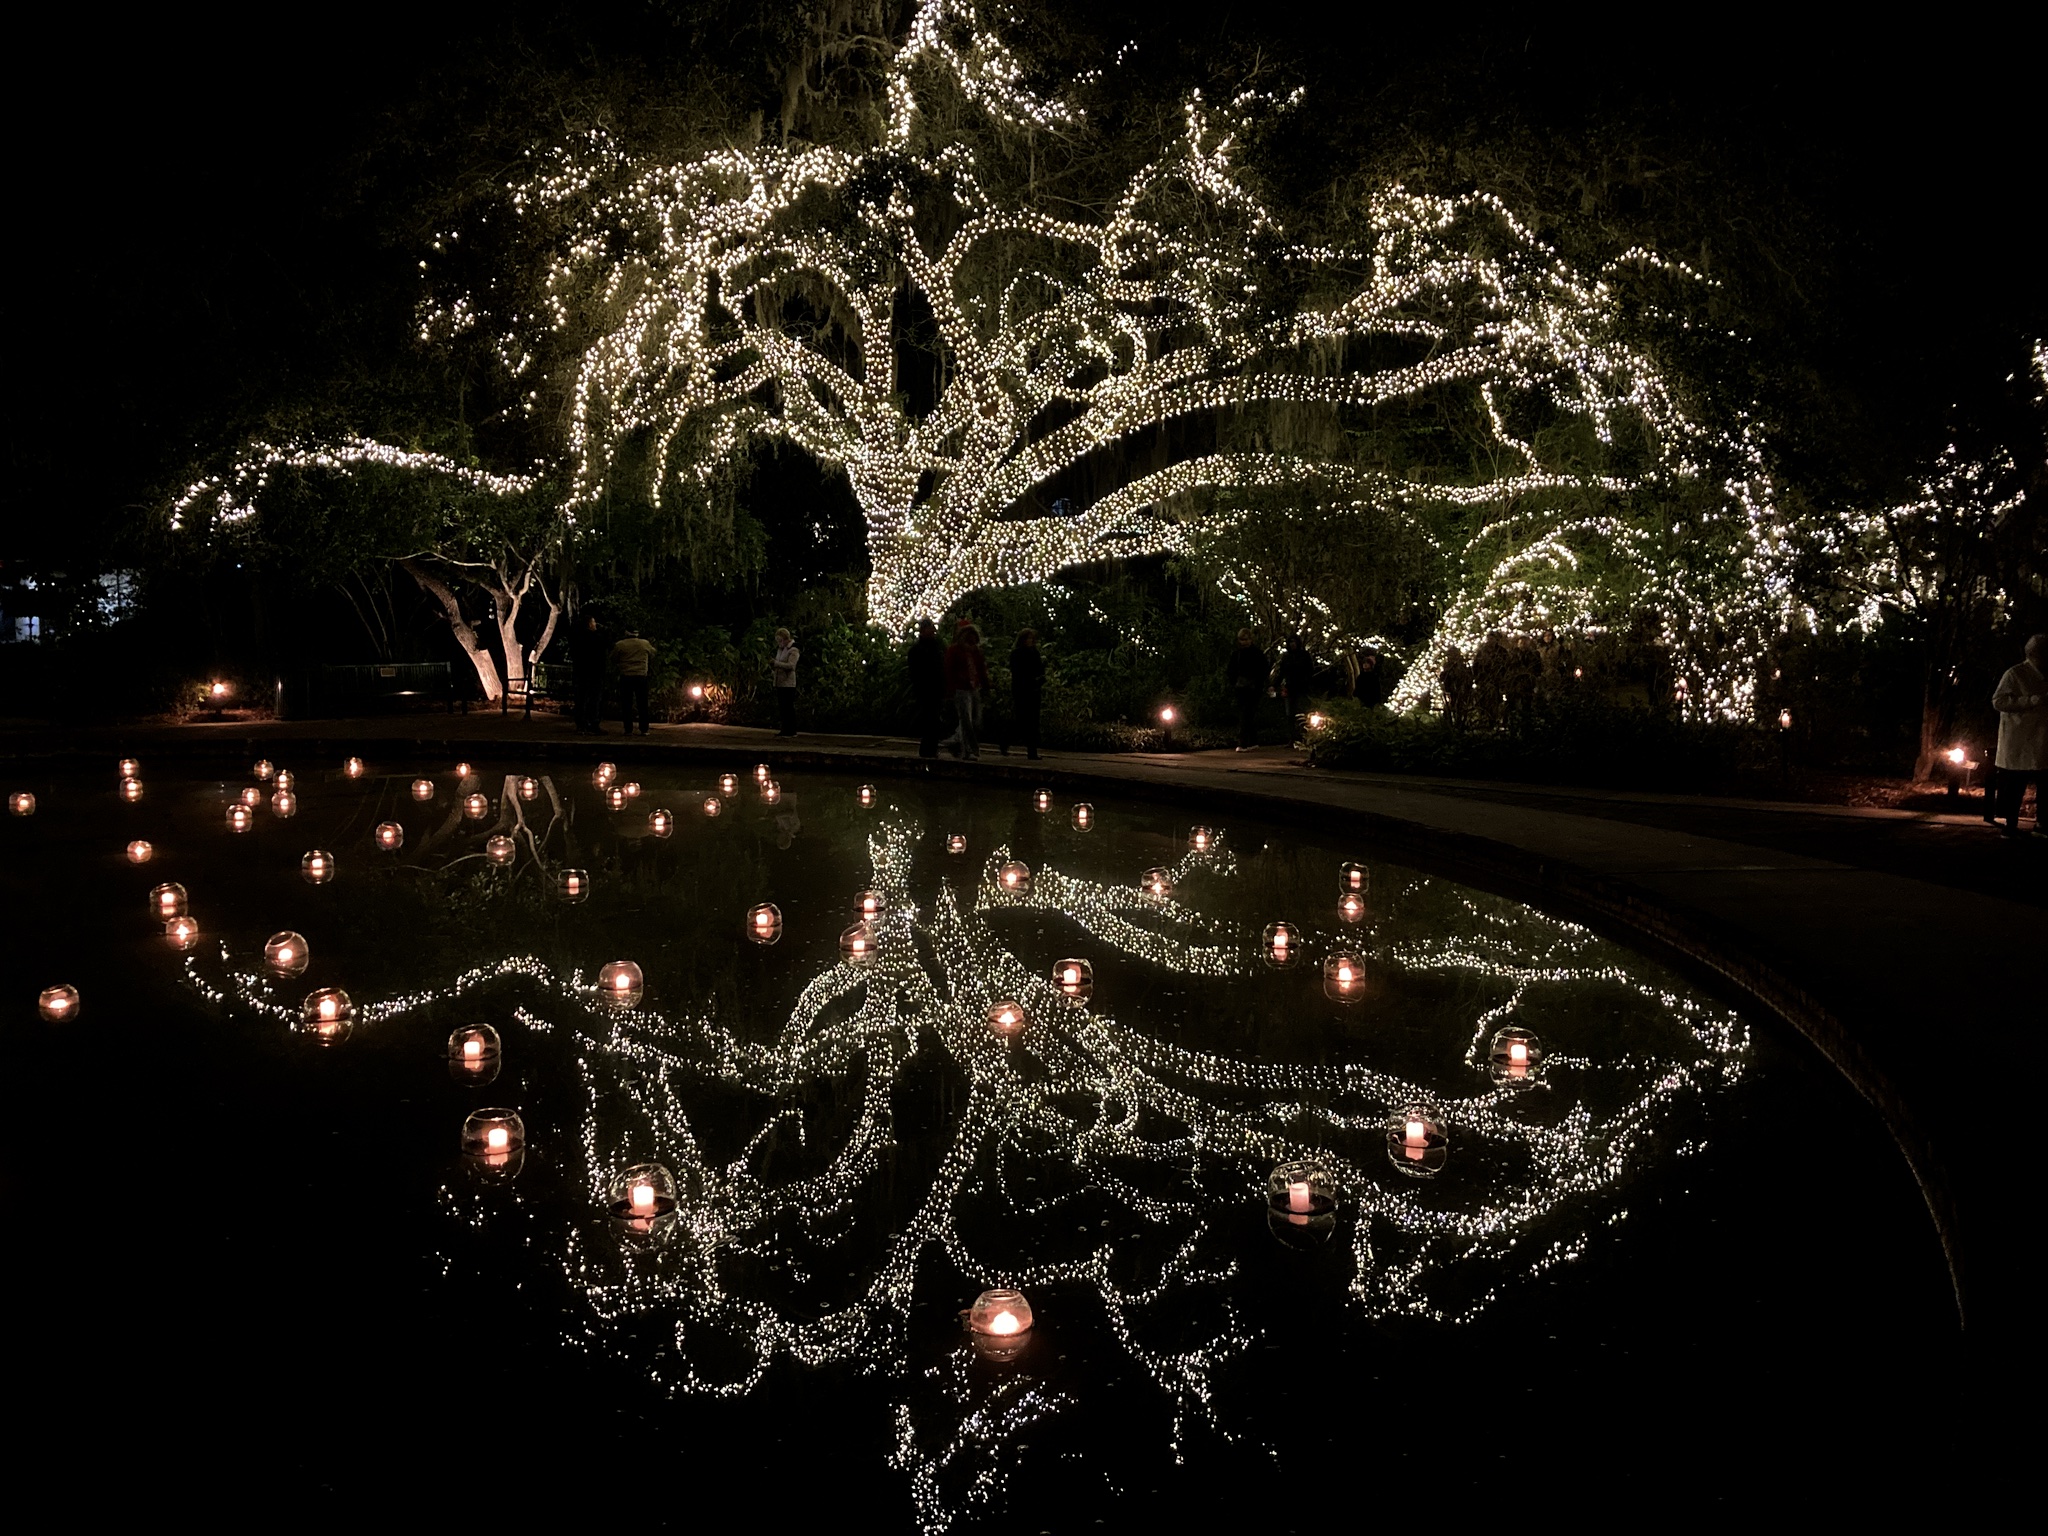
{"x": 22, "y": 803}
{"x": 317, "y": 867}
{"x": 140, "y": 852}
{"x": 182, "y": 934}
{"x": 167, "y": 901}
{"x": 764, "y": 923}
{"x": 58, "y": 1004}
{"x": 131, "y": 790}
{"x": 390, "y": 836}
{"x": 327, "y": 1015}
{"x": 287, "y": 954}
{"x": 621, "y": 984}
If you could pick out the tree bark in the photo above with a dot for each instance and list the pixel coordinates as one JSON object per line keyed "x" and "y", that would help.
{"x": 465, "y": 633}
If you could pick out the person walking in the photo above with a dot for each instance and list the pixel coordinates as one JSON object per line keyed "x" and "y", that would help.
{"x": 587, "y": 653}
{"x": 2021, "y": 700}
{"x": 926, "y": 663}
{"x": 784, "y": 668}
{"x": 967, "y": 680}
{"x": 1246, "y": 673}
{"x": 1293, "y": 673}
{"x": 632, "y": 656}
{"x": 1027, "y": 688}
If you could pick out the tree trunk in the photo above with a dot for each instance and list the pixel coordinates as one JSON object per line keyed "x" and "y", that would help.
{"x": 1937, "y": 721}
{"x": 505, "y": 602}
{"x": 465, "y": 633}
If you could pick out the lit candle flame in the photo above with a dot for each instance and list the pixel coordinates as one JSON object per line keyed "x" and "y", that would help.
{"x": 472, "y": 1049}
{"x": 497, "y": 1138}
{"x": 643, "y": 1197}
{"x": 1003, "y": 1323}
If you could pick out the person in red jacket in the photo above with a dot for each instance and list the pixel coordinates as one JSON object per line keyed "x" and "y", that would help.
{"x": 967, "y": 681}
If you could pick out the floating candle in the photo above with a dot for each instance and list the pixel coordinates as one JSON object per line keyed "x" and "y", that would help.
{"x": 140, "y": 852}
{"x": 131, "y": 790}
{"x": 764, "y": 923}
{"x": 1282, "y": 944}
{"x": 327, "y": 1015}
{"x": 615, "y": 798}
{"x": 572, "y": 885}
{"x": 476, "y": 807}
{"x": 1352, "y": 877}
{"x": 1083, "y": 817}
{"x": 1075, "y": 979}
{"x": 859, "y": 942}
{"x": 263, "y": 768}
{"x": 493, "y": 1137}
{"x": 131, "y": 768}
{"x": 286, "y": 953}
{"x": 465, "y": 771}
{"x": 58, "y": 1004}
{"x": 1041, "y": 800}
{"x": 352, "y": 767}
{"x": 603, "y": 774}
{"x": 660, "y": 823}
{"x": 526, "y": 788}
{"x": 1201, "y": 839}
{"x": 284, "y": 805}
{"x": 956, "y": 842}
{"x": 728, "y": 783}
{"x": 713, "y": 805}
{"x": 390, "y": 836}
{"x": 1514, "y": 1053}
{"x": 167, "y": 901}
{"x": 182, "y": 933}
{"x": 22, "y": 803}
{"x": 423, "y": 789}
{"x": 1007, "y": 1018}
{"x": 1015, "y": 878}
{"x": 251, "y": 796}
{"x": 317, "y": 867}
{"x": 771, "y": 792}
{"x": 240, "y": 819}
{"x": 865, "y": 795}
{"x": 1157, "y": 883}
{"x": 1351, "y": 909}
{"x": 620, "y": 983}
{"x": 643, "y": 1196}
{"x": 500, "y": 849}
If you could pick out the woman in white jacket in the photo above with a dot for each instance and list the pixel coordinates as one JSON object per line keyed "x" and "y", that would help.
{"x": 2022, "y": 705}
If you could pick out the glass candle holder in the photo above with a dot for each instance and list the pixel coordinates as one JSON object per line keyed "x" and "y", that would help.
{"x": 572, "y": 885}
{"x": 1281, "y": 944}
{"x": 1344, "y": 976}
{"x": 1041, "y": 800}
{"x": 130, "y": 768}
{"x": 284, "y": 778}
{"x": 423, "y": 789}
{"x": 643, "y": 1193}
{"x": 140, "y": 852}
{"x": 473, "y": 1045}
{"x": 866, "y": 796}
{"x": 352, "y": 767}
{"x": 251, "y": 796}
{"x": 631, "y": 789}
{"x": 1514, "y": 1053}
{"x": 956, "y": 842}
{"x": 500, "y": 849}
{"x": 327, "y": 1015}
{"x": 1416, "y": 1143}
{"x": 240, "y": 818}
{"x": 389, "y": 836}
{"x": 1083, "y": 817}
{"x": 182, "y": 934}
{"x": 764, "y": 923}
{"x": 859, "y": 942}
{"x": 1075, "y": 980}
{"x": 284, "y": 805}
{"x": 728, "y": 783}
{"x": 615, "y": 798}
{"x": 1201, "y": 839}
{"x": 771, "y": 792}
{"x": 526, "y": 788}
{"x": 21, "y": 803}
{"x": 762, "y": 773}
{"x": 476, "y": 807}
{"x": 603, "y": 774}
{"x": 1350, "y": 908}
{"x": 286, "y": 953}
{"x": 465, "y": 771}
{"x": 1301, "y": 1189}
{"x": 263, "y": 768}
{"x": 1157, "y": 883}
{"x": 317, "y": 867}
{"x": 1014, "y": 878}
{"x": 1008, "y": 1018}
{"x": 131, "y": 790}
{"x": 1000, "y": 1320}
{"x": 167, "y": 901}
{"x": 621, "y": 984}
{"x": 58, "y": 1004}
{"x": 713, "y": 806}
{"x": 1352, "y": 878}
{"x": 661, "y": 823}
{"x": 493, "y": 1133}
{"x": 870, "y": 905}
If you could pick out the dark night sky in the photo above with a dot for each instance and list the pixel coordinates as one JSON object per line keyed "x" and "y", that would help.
{"x": 179, "y": 187}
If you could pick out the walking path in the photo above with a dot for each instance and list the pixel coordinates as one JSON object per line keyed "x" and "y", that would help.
{"x": 1906, "y": 946}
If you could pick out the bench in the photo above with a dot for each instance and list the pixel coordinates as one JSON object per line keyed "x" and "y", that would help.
{"x": 350, "y": 689}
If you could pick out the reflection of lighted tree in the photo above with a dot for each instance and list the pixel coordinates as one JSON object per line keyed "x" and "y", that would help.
{"x": 1176, "y": 1141}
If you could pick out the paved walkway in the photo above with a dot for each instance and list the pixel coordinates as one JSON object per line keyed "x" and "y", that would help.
{"x": 1907, "y": 946}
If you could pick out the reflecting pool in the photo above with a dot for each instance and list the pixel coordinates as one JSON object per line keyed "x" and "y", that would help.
{"x": 1299, "y": 1158}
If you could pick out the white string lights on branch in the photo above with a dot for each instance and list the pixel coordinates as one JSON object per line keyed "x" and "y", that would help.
{"x": 1067, "y": 1109}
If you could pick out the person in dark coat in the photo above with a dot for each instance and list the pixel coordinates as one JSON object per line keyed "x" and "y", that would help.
{"x": 1246, "y": 673}
{"x": 1027, "y": 687}
{"x": 1293, "y": 675}
{"x": 927, "y": 665}
{"x": 967, "y": 680}
{"x": 588, "y": 653}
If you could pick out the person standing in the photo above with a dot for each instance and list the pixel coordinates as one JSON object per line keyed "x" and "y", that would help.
{"x": 784, "y": 669}
{"x": 632, "y": 656}
{"x": 926, "y": 664}
{"x": 587, "y": 653}
{"x": 1293, "y": 673}
{"x": 1455, "y": 679}
{"x": 967, "y": 680}
{"x": 1246, "y": 673}
{"x": 1027, "y": 687}
{"x": 2021, "y": 700}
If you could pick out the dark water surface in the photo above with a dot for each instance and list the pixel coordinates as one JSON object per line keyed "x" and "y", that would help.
{"x": 1681, "y": 1256}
